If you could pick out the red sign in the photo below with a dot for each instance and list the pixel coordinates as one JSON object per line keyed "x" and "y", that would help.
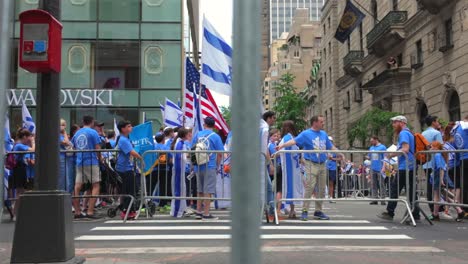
{"x": 28, "y": 46}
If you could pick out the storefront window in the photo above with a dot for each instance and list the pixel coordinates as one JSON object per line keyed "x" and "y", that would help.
{"x": 107, "y": 116}
{"x": 117, "y": 65}
{"x": 111, "y": 10}
{"x": 84, "y": 10}
{"x": 161, "y": 64}
{"x": 161, "y": 10}
{"x": 76, "y": 64}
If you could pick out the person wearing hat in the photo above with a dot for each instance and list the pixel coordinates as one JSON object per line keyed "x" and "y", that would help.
{"x": 405, "y": 145}
{"x": 206, "y": 173}
{"x": 376, "y": 162}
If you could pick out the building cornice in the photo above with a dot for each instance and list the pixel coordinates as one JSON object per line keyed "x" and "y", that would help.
{"x": 328, "y": 7}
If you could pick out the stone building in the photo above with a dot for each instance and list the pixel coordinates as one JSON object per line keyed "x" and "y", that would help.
{"x": 293, "y": 54}
{"x": 406, "y": 56}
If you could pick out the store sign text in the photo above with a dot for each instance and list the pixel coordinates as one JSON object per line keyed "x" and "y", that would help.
{"x": 72, "y": 97}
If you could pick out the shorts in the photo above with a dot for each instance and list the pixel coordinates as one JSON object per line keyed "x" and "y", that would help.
{"x": 332, "y": 175}
{"x": 279, "y": 178}
{"x": 86, "y": 174}
{"x": 18, "y": 178}
{"x": 206, "y": 181}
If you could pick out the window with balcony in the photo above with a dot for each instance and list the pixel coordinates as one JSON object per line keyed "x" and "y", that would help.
{"x": 446, "y": 37}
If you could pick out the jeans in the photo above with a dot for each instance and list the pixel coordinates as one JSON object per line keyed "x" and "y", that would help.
{"x": 396, "y": 185}
{"x": 70, "y": 172}
{"x": 378, "y": 185}
{"x": 62, "y": 174}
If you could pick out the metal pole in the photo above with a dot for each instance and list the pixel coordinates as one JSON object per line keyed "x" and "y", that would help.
{"x": 246, "y": 205}
{"x": 6, "y": 11}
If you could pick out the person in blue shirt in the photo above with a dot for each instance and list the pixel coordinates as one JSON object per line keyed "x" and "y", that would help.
{"x": 406, "y": 145}
{"x": 87, "y": 165}
{"x": 66, "y": 181}
{"x": 124, "y": 165}
{"x": 378, "y": 185}
{"x": 460, "y": 133}
{"x": 275, "y": 137}
{"x": 431, "y": 134}
{"x": 206, "y": 173}
{"x": 313, "y": 139}
{"x": 19, "y": 176}
{"x": 332, "y": 171}
{"x": 439, "y": 176}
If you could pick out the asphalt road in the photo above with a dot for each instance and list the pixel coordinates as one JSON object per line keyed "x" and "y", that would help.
{"x": 354, "y": 235}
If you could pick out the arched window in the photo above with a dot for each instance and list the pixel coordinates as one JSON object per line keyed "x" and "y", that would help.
{"x": 423, "y": 113}
{"x": 454, "y": 107}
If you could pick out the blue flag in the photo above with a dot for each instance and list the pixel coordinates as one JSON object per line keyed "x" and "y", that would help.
{"x": 351, "y": 18}
{"x": 142, "y": 140}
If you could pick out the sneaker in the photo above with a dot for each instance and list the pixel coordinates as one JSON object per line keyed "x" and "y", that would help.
{"x": 374, "y": 203}
{"x": 445, "y": 216}
{"x": 435, "y": 218}
{"x": 319, "y": 215}
{"x": 80, "y": 216}
{"x": 210, "y": 217}
{"x": 198, "y": 216}
{"x": 167, "y": 208}
{"x": 385, "y": 216}
{"x": 332, "y": 202}
{"x": 92, "y": 216}
{"x": 304, "y": 216}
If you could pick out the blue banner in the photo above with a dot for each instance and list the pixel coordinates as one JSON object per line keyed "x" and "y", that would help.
{"x": 142, "y": 140}
{"x": 351, "y": 18}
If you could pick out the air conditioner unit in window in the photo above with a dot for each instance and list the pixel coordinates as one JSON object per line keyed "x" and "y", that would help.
{"x": 415, "y": 62}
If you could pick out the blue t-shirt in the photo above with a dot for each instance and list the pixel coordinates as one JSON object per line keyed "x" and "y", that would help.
{"x": 314, "y": 140}
{"x": 86, "y": 139}
{"x": 376, "y": 158}
{"x": 124, "y": 160}
{"x": 272, "y": 149}
{"x": 21, "y": 158}
{"x": 112, "y": 142}
{"x": 407, "y": 137}
{"x": 29, "y": 167}
{"x": 215, "y": 143}
{"x": 331, "y": 164}
{"x": 453, "y": 158}
{"x": 461, "y": 141}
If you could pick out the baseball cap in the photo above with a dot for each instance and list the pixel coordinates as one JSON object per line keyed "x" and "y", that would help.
{"x": 209, "y": 121}
{"x": 330, "y": 138}
{"x": 399, "y": 118}
{"x": 98, "y": 123}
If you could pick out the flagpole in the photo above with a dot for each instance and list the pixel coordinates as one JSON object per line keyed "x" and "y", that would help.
{"x": 6, "y": 11}
{"x": 365, "y": 10}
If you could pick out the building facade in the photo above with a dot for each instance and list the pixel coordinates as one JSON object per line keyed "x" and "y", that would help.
{"x": 409, "y": 57}
{"x": 282, "y": 12}
{"x": 293, "y": 53}
{"x": 120, "y": 59}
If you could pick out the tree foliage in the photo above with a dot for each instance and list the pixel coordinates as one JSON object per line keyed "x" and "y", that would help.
{"x": 374, "y": 122}
{"x": 289, "y": 105}
{"x": 226, "y": 112}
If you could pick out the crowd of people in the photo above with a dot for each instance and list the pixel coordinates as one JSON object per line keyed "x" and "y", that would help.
{"x": 288, "y": 175}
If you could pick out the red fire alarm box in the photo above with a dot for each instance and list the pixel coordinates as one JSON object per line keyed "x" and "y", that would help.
{"x": 40, "y": 46}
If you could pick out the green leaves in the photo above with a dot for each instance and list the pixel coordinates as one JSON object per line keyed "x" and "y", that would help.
{"x": 226, "y": 112}
{"x": 374, "y": 122}
{"x": 289, "y": 105}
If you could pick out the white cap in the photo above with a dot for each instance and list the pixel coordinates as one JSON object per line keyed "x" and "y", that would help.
{"x": 330, "y": 138}
{"x": 400, "y": 118}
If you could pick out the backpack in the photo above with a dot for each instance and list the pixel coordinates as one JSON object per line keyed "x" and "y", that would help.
{"x": 203, "y": 144}
{"x": 421, "y": 144}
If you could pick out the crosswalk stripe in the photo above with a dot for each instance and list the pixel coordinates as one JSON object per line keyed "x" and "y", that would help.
{"x": 175, "y": 221}
{"x": 145, "y": 228}
{"x": 276, "y": 249}
{"x": 227, "y": 236}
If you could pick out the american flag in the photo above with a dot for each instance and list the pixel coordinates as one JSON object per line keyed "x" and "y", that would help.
{"x": 207, "y": 103}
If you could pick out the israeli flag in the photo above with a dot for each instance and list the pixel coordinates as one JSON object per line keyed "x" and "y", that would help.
{"x": 8, "y": 140}
{"x": 161, "y": 107}
{"x": 216, "y": 72}
{"x": 173, "y": 115}
{"x": 28, "y": 122}
{"x": 116, "y": 129}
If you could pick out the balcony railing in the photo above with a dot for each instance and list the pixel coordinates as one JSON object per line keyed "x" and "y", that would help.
{"x": 391, "y": 19}
{"x": 353, "y": 56}
{"x": 434, "y": 6}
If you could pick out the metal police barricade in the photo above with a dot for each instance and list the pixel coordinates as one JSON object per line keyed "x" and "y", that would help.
{"x": 170, "y": 184}
{"x": 103, "y": 173}
{"x": 443, "y": 179}
{"x": 348, "y": 186}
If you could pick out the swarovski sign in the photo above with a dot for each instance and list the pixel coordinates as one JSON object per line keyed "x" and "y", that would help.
{"x": 71, "y": 97}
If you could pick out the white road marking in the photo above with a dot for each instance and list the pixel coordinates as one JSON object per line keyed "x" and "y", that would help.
{"x": 160, "y": 228}
{"x": 227, "y": 236}
{"x": 175, "y": 221}
{"x": 276, "y": 249}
